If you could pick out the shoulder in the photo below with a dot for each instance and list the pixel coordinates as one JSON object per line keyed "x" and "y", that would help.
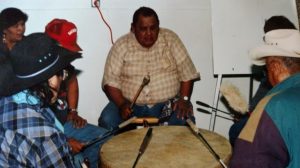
{"x": 168, "y": 33}
{"x": 123, "y": 40}
{"x": 284, "y": 100}
{"x": 169, "y": 36}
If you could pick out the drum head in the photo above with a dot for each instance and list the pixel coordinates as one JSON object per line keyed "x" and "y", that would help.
{"x": 170, "y": 146}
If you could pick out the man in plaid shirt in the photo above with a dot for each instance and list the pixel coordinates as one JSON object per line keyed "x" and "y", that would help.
{"x": 151, "y": 51}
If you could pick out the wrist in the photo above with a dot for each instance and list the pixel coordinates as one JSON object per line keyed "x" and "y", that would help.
{"x": 73, "y": 111}
{"x": 123, "y": 104}
{"x": 185, "y": 98}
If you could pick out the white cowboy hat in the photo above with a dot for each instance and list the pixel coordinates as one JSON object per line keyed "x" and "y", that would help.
{"x": 281, "y": 42}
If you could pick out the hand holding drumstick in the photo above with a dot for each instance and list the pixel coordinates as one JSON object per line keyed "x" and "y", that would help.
{"x": 126, "y": 109}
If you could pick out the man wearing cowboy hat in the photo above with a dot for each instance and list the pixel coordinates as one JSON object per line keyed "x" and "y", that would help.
{"x": 30, "y": 134}
{"x": 271, "y": 135}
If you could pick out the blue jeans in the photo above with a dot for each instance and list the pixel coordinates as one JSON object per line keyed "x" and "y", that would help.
{"x": 86, "y": 134}
{"x": 111, "y": 118}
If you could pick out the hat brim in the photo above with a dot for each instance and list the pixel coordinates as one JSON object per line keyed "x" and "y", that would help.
{"x": 11, "y": 84}
{"x": 259, "y": 54}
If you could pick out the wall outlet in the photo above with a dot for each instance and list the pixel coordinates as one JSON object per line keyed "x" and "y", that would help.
{"x": 95, "y": 1}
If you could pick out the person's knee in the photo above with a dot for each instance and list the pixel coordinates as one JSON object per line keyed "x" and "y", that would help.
{"x": 110, "y": 116}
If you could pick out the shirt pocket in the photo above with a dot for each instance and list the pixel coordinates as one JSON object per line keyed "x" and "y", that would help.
{"x": 167, "y": 60}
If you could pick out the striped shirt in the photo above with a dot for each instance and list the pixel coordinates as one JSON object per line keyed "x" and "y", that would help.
{"x": 29, "y": 137}
{"x": 167, "y": 63}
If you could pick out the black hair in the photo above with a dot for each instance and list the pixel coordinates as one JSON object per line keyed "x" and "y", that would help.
{"x": 144, "y": 11}
{"x": 10, "y": 17}
{"x": 43, "y": 92}
{"x": 278, "y": 22}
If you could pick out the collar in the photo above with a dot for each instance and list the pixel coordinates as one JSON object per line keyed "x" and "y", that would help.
{"x": 25, "y": 97}
{"x": 287, "y": 83}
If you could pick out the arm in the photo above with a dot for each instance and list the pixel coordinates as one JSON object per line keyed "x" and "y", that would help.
{"x": 72, "y": 98}
{"x": 73, "y": 92}
{"x": 115, "y": 95}
{"x": 75, "y": 145}
{"x": 267, "y": 148}
{"x": 184, "y": 106}
{"x": 187, "y": 75}
{"x": 186, "y": 89}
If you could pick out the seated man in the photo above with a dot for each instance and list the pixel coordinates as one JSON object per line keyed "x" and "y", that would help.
{"x": 271, "y": 135}
{"x": 30, "y": 134}
{"x": 273, "y": 23}
{"x": 76, "y": 128}
{"x": 154, "y": 52}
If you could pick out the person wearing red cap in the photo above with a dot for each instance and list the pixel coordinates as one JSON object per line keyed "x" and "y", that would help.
{"x": 76, "y": 128}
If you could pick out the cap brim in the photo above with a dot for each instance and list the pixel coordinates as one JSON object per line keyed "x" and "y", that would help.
{"x": 259, "y": 54}
{"x": 72, "y": 47}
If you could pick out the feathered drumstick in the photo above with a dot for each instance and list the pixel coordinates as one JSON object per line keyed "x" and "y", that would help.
{"x": 234, "y": 98}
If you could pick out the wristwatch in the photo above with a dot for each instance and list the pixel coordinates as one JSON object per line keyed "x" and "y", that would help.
{"x": 185, "y": 98}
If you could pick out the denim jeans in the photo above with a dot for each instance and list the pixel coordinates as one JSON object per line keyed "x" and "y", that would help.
{"x": 86, "y": 134}
{"x": 111, "y": 118}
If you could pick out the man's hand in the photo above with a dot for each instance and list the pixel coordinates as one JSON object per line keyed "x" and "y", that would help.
{"x": 184, "y": 108}
{"x": 125, "y": 111}
{"x": 75, "y": 145}
{"x": 78, "y": 122}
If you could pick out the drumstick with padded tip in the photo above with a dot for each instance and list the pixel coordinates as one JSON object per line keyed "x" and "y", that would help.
{"x": 208, "y": 106}
{"x": 143, "y": 146}
{"x": 196, "y": 130}
{"x": 145, "y": 82}
{"x": 113, "y": 131}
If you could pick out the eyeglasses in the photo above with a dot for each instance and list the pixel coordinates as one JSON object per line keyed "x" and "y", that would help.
{"x": 64, "y": 74}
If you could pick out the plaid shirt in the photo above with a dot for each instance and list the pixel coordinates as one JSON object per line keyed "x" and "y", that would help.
{"x": 167, "y": 62}
{"x": 29, "y": 138}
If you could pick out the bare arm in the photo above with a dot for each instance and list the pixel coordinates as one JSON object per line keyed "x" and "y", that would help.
{"x": 73, "y": 92}
{"x": 186, "y": 88}
{"x": 72, "y": 98}
{"x": 184, "y": 107}
{"x": 115, "y": 95}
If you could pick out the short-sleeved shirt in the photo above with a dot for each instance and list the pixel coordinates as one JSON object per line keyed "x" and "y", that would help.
{"x": 167, "y": 63}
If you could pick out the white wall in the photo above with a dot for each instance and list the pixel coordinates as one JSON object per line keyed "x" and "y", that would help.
{"x": 190, "y": 19}
{"x": 237, "y": 27}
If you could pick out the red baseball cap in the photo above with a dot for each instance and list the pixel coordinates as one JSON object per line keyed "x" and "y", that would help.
{"x": 64, "y": 32}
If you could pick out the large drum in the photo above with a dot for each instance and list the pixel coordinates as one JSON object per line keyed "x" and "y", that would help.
{"x": 170, "y": 146}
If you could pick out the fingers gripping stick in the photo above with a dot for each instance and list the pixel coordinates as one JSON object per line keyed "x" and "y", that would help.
{"x": 145, "y": 82}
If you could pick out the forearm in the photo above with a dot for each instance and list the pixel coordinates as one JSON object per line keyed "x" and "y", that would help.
{"x": 186, "y": 88}
{"x": 115, "y": 95}
{"x": 73, "y": 92}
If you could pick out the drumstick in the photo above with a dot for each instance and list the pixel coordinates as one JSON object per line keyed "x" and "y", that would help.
{"x": 207, "y": 112}
{"x": 109, "y": 133}
{"x": 196, "y": 130}
{"x": 143, "y": 145}
{"x": 145, "y": 82}
{"x": 208, "y": 106}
